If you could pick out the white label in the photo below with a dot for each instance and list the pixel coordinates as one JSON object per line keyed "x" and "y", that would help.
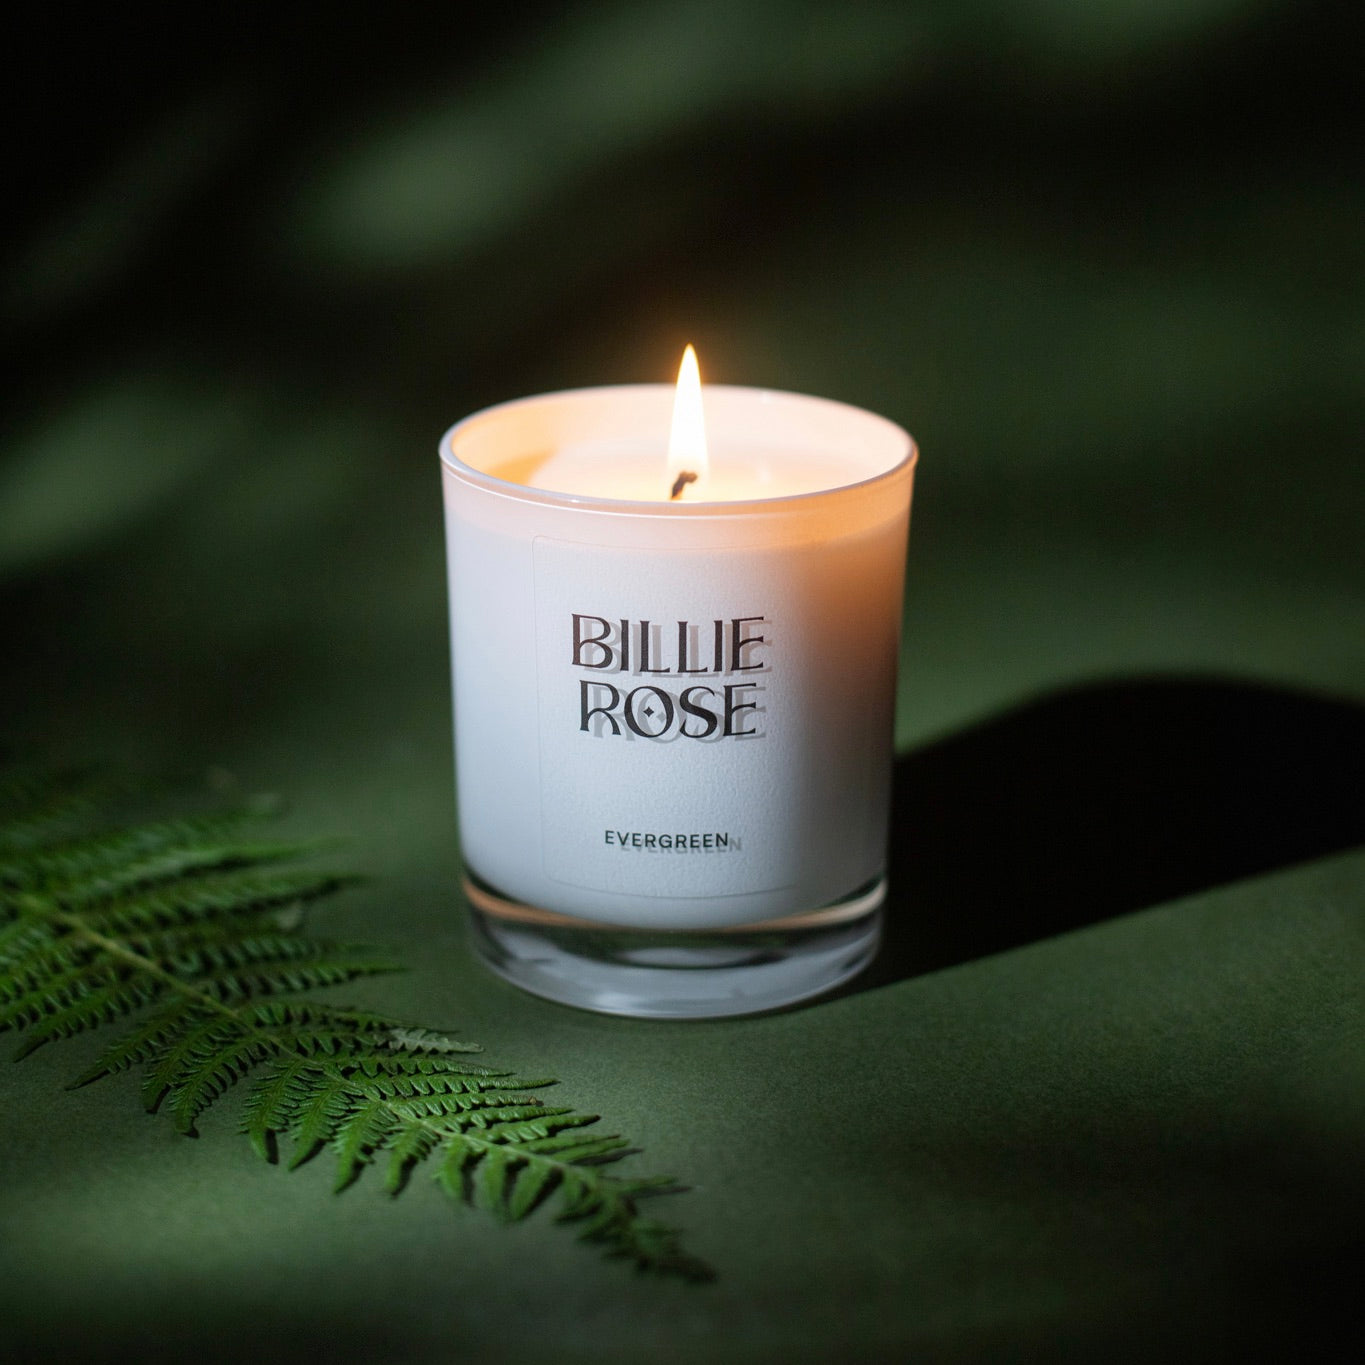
{"x": 671, "y": 715}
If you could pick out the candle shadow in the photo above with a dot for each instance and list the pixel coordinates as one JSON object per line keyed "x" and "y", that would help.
{"x": 1107, "y": 799}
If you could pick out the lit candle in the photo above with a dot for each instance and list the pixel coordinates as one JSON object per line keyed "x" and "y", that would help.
{"x": 673, "y": 695}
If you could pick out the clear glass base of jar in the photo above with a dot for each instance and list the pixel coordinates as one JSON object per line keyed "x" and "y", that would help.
{"x": 675, "y": 974}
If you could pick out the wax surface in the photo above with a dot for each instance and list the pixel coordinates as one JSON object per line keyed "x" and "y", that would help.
{"x": 637, "y": 471}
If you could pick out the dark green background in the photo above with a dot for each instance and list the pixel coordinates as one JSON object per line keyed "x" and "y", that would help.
{"x": 1104, "y": 1095}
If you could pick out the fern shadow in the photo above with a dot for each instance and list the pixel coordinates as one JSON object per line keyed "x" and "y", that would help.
{"x": 1106, "y": 799}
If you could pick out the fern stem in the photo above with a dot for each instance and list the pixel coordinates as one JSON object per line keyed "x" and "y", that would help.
{"x": 147, "y": 965}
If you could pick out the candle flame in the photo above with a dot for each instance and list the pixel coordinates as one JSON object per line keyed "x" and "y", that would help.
{"x": 687, "y": 459}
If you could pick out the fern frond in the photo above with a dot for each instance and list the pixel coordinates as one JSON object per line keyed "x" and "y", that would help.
{"x": 534, "y": 1180}
{"x": 247, "y": 946}
{"x": 273, "y": 1104}
{"x": 242, "y": 891}
{"x": 34, "y": 994}
{"x": 412, "y": 1143}
{"x": 283, "y": 1013}
{"x": 215, "y": 1071}
{"x": 491, "y": 1183}
{"x": 367, "y": 1128}
{"x": 41, "y": 966}
{"x": 461, "y": 1090}
{"x": 502, "y": 1121}
{"x": 100, "y": 1005}
{"x": 23, "y": 933}
{"x": 427, "y": 1040}
{"x": 200, "y": 1030}
{"x": 578, "y": 1150}
{"x": 452, "y": 1107}
{"x": 149, "y": 1040}
{"x": 397, "y": 1064}
{"x": 320, "y": 1113}
{"x": 189, "y": 929}
{"x": 106, "y": 861}
{"x": 450, "y": 1172}
{"x": 283, "y": 978}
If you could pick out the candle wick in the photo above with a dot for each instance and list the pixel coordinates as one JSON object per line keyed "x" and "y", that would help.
{"x": 681, "y": 482}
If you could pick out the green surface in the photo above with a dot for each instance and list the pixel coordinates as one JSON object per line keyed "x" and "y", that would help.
{"x": 1104, "y": 1095}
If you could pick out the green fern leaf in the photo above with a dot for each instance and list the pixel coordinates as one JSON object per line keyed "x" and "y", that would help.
{"x": 413, "y": 1144}
{"x": 534, "y": 1180}
{"x": 23, "y": 934}
{"x": 188, "y": 931}
{"x": 504, "y": 1120}
{"x": 396, "y": 1064}
{"x": 366, "y": 1129}
{"x": 39, "y": 965}
{"x": 177, "y": 1062}
{"x": 328, "y": 1102}
{"x": 215, "y": 896}
{"x": 459, "y": 1157}
{"x": 578, "y": 1195}
{"x": 425, "y": 1040}
{"x": 491, "y": 1180}
{"x": 149, "y": 1040}
{"x": 35, "y": 992}
{"x": 282, "y": 978}
{"x": 214, "y": 1073}
{"x": 99, "y": 1005}
{"x": 108, "y": 861}
{"x": 578, "y": 1150}
{"x": 274, "y": 1102}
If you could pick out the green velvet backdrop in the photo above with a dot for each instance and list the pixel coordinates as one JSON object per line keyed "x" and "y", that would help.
{"x": 1104, "y": 1095}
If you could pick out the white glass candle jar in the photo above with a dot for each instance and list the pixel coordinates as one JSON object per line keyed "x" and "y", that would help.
{"x": 673, "y": 718}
